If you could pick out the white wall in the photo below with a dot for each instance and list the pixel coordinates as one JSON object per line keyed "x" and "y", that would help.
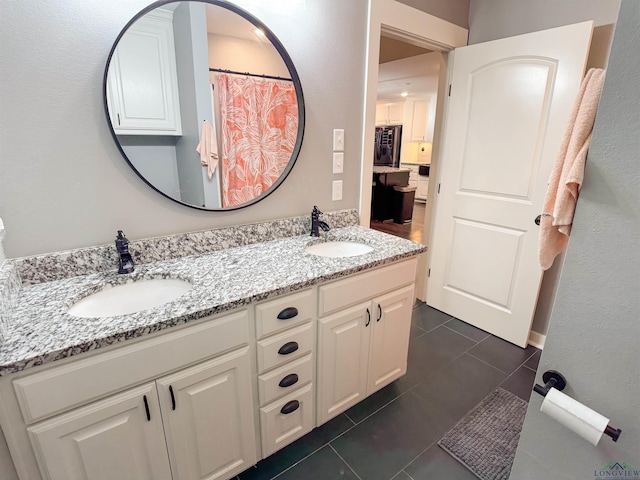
{"x": 594, "y": 331}
{"x": 63, "y": 183}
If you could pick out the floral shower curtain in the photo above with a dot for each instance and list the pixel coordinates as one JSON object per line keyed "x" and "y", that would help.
{"x": 259, "y": 130}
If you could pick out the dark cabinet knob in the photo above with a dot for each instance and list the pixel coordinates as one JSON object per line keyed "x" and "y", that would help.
{"x": 289, "y": 380}
{"x": 290, "y": 407}
{"x": 288, "y": 313}
{"x": 537, "y": 220}
{"x": 288, "y": 348}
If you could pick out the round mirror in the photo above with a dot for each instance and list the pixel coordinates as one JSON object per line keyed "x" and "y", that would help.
{"x": 204, "y": 103}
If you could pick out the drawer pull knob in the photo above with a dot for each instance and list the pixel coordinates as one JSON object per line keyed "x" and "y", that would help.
{"x": 368, "y": 318}
{"x": 290, "y": 407}
{"x": 288, "y": 348}
{"x": 288, "y": 313}
{"x": 379, "y": 313}
{"x": 289, "y": 380}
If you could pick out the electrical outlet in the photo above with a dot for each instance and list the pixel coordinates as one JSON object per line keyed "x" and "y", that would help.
{"x": 338, "y": 162}
{"x": 338, "y": 140}
{"x": 336, "y": 190}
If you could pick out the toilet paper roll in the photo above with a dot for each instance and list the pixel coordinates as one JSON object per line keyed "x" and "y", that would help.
{"x": 584, "y": 421}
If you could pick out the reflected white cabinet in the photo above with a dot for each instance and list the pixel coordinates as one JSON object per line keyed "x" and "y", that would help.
{"x": 112, "y": 438}
{"x": 142, "y": 85}
{"x": 364, "y": 347}
{"x": 389, "y": 113}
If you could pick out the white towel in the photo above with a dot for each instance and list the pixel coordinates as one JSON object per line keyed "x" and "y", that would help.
{"x": 568, "y": 173}
{"x": 208, "y": 148}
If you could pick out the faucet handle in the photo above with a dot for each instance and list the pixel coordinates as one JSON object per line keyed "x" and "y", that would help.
{"x": 122, "y": 242}
{"x": 316, "y": 210}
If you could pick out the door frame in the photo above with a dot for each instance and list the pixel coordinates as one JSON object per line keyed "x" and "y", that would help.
{"x": 415, "y": 27}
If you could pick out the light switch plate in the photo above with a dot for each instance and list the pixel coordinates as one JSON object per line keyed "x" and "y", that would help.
{"x": 338, "y": 162}
{"x": 338, "y": 140}
{"x": 336, "y": 190}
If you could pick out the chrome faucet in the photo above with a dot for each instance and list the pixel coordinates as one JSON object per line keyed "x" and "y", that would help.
{"x": 125, "y": 261}
{"x": 317, "y": 223}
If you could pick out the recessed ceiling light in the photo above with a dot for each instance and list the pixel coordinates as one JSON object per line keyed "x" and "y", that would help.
{"x": 404, "y": 94}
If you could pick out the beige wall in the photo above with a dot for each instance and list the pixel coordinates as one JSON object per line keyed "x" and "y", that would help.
{"x": 454, "y": 11}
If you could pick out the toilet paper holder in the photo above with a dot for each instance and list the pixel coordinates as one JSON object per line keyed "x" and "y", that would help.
{"x": 554, "y": 379}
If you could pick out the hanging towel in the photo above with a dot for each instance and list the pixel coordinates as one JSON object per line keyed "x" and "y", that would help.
{"x": 567, "y": 174}
{"x": 208, "y": 148}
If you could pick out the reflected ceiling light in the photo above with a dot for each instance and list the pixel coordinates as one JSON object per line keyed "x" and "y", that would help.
{"x": 259, "y": 32}
{"x": 404, "y": 94}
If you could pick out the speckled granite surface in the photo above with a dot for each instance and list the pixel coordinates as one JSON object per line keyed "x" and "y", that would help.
{"x": 41, "y": 330}
{"x": 103, "y": 258}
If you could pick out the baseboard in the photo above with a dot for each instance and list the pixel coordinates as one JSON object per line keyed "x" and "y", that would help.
{"x": 537, "y": 339}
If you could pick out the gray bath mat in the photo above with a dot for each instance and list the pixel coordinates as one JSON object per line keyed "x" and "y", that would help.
{"x": 486, "y": 438}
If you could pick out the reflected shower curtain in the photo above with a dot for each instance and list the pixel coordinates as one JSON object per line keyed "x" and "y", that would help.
{"x": 259, "y": 130}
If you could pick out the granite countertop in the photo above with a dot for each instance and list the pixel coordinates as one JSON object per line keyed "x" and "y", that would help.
{"x": 377, "y": 169}
{"x": 42, "y": 331}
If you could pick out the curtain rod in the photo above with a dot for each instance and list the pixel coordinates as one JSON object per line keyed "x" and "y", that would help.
{"x": 249, "y": 74}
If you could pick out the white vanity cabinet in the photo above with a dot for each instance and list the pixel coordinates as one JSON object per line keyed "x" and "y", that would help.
{"x": 285, "y": 351}
{"x": 191, "y": 418}
{"x": 142, "y": 84}
{"x": 363, "y": 347}
{"x": 109, "y": 439}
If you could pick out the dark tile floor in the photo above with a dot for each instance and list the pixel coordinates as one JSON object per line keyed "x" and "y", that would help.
{"x": 393, "y": 433}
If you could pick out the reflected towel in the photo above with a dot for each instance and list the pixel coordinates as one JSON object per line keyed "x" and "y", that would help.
{"x": 567, "y": 174}
{"x": 208, "y": 148}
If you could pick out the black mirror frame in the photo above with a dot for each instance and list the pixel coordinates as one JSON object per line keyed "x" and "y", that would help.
{"x": 283, "y": 54}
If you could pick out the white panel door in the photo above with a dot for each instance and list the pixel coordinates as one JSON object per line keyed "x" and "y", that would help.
{"x": 509, "y": 105}
{"x": 109, "y": 439}
{"x": 343, "y": 358}
{"x": 208, "y": 415}
{"x": 390, "y": 338}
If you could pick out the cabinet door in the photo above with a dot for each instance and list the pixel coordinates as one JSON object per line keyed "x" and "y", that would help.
{"x": 423, "y": 187}
{"x": 381, "y": 115}
{"x": 112, "y": 438}
{"x": 208, "y": 418}
{"x": 390, "y": 337}
{"x": 343, "y": 356}
{"x": 142, "y": 81}
{"x": 395, "y": 113}
{"x": 419, "y": 122}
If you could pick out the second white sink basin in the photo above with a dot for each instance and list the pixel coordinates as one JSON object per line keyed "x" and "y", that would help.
{"x": 129, "y": 298}
{"x": 338, "y": 249}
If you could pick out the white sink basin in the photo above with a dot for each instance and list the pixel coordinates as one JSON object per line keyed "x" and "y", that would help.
{"x": 338, "y": 249}
{"x": 129, "y": 298}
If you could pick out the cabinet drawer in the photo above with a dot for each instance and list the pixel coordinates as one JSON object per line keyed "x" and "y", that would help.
{"x": 285, "y": 312}
{"x": 280, "y": 429}
{"x": 60, "y": 388}
{"x": 291, "y": 375}
{"x": 357, "y": 288}
{"x": 272, "y": 351}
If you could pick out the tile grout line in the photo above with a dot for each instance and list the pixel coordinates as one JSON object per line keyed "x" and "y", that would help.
{"x": 465, "y": 336}
{"x": 345, "y": 462}
{"x": 317, "y": 449}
